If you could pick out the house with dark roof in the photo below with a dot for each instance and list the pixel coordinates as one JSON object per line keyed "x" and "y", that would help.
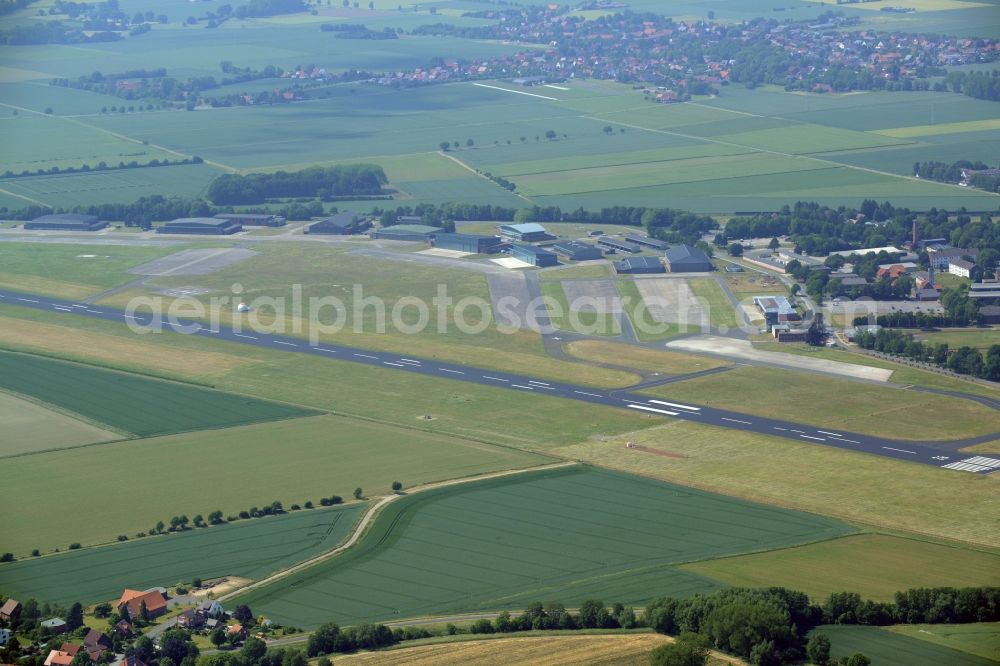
{"x": 687, "y": 259}
{"x": 210, "y": 608}
{"x": 618, "y": 245}
{"x": 123, "y": 629}
{"x": 960, "y": 267}
{"x": 190, "y": 619}
{"x": 646, "y": 241}
{"x": 56, "y": 625}
{"x": 990, "y": 314}
{"x": 10, "y": 610}
{"x": 96, "y": 640}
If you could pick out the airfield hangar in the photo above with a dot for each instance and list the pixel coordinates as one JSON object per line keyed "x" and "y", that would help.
{"x": 472, "y": 243}
{"x": 254, "y": 219}
{"x": 202, "y": 226}
{"x": 687, "y": 259}
{"x": 65, "y": 222}
{"x": 341, "y": 224}
{"x": 536, "y": 256}
{"x": 406, "y": 232}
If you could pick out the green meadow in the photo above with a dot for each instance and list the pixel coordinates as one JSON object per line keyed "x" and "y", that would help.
{"x": 886, "y": 648}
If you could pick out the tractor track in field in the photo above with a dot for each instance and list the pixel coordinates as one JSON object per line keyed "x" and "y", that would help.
{"x": 369, "y": 517}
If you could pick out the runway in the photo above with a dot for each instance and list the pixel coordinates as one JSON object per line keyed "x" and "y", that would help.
{"x": 938, "y": 454}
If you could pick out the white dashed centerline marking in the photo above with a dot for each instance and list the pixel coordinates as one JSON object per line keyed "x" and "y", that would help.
{"x": 28, "y": 300}
{"x": 852, "y": 441}
{"x": 287, "y": 344}
{"x": 889, "y": 448}
{"x": 323, "y": 349}
{"x": 737, "y": 421}
{"x": 243, "y": 335}
{"x": 409, "y": 360}
{"x": 653, "y": 409}
{"x": 532, "y": 381}
{"x": 366, "y": 356}
{"x": 454, "y": 372}
{"x": 592, "y": 395}
{"x": 818, "y": 439}
{"x": 524, "y": 387}
{"x": 831, "y": 434}
{"x": 496, "y": 379}
{"x": 783, "y": 429}
{"x": 398, "y": 365}
{"x": 801, "y": 432}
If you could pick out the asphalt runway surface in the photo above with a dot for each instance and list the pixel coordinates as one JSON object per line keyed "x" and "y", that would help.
{"x": 938, "y": 454}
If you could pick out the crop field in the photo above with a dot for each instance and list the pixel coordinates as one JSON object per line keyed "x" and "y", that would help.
{"x": 29, "y": 427}
{"x": 864, "y": 489}
{"x": 132, "y": 403}
{"x": 556, "y": 650}
{"x": 558, "y": 535}
{"x": 830, "y": 402}
{"x": 979, "y": 638}
{"x": 118, "y": 186}
{"x": 886, "y": 648}
{"x": 874, "y": 565}
{"x": 71, "y": 271}
{"x": 248, "y": 548}
{"x": 291, "y": 461}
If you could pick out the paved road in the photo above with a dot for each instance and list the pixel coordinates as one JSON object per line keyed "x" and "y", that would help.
{"x": 939, "y": 454}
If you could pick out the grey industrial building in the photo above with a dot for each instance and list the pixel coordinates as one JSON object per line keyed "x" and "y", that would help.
{"x": 577, "y": 251}
{"x": 65, "y": 222}
{"x": 687, "y": 259}
{"x": 639, "y": 265}
{"x": 406, "y": 232}
{"x": 254, "y": 219}
{"x": 615, "y": 244}
{"x": 646, "y": 241}
{"x": 777, "y": 310}
{"x": 207, "y": 226}
{"x": 525, "y": 233}
{"x": 473, "y": 243}
{"x": 536, "y": 256}
{"x": 341, "y": 224}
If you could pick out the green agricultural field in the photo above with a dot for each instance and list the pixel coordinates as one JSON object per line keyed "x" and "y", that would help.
{"x": 290, "y": 461}
{"x": 874, "y": 565}
{"x": 132, "y": 403}
{"x": 71, "y": 271}
{"x": 117, "y": 186}
{"x": 982, "y": 339}
{"x": 249, "y": 548}
{"x": 562, "y": 535}
{"x": 29, "y": 427}
{"x": 840, "y": 403}
{"x": 887, "y": 648}
{"x": 979, "y": 638}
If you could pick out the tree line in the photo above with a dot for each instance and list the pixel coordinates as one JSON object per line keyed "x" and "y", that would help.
{"x": 354, "y": 179}
{"x": 104, "y": 166}
{"x": 964, "y": 360}
{"x": 980, "y": 85}
{"x": 358, "y": 31}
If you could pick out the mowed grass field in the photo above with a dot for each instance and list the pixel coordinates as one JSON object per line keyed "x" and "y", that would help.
{"x": 647, "y": 360}
{"x": 131, "y": 403}
{"x": 29, "y": 427}
{"x": 838, "y": 403}
{"x": 248, "y": 548}
{"x": 888, "y": 648}
{"x": 556, "y": 650}
{"x": 70, "y": 270}
{"x": 564, "y": 535}
{"x": 879, "y": 566}
{"x": 231, "y": 469}
{"x": 870, "y": 490}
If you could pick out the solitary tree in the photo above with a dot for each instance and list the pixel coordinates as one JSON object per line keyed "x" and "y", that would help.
{"x": 735, "y": 250}
{"x": 358, "y": 493}
{"x": 608, "y": 129}
{"x": 470, "y": 143}
{"x": 243, "y": 615}
{"x": 774, "y": 244}
{"x": 218, "y": 637}
{"x": 74, "y": 618}
{"x": 445, "y": 146}
{"x": 550, "y": 134}
{"x": 396, "y": 486}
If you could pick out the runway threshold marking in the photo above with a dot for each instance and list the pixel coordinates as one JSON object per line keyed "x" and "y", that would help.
{"x": 653, "y": 409}
{"x": 676, "y": 405}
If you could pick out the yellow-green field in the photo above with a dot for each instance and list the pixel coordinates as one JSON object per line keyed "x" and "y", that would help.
{"x": 30, "y": 427}
{"x": 979, "y": 638}
{"x": 874, "y": 565}
{"x": 944, "y": 128}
